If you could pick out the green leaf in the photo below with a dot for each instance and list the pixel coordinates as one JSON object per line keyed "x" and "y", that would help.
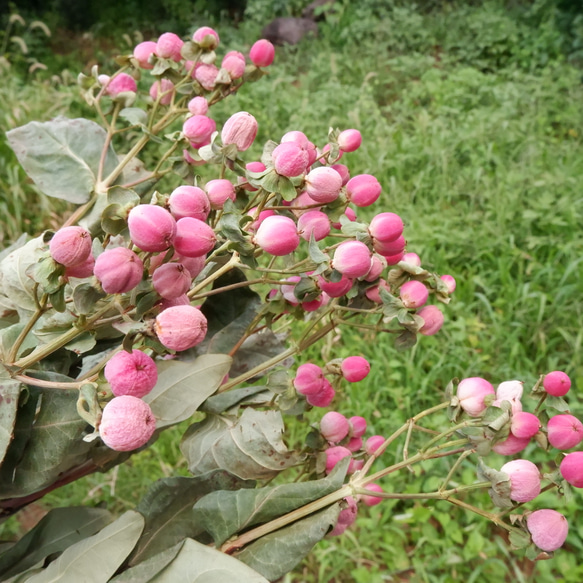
{"x": 85, "y": 296}
{"x": 183, "y": 386}
{"x": 59, "y": 529}
{"x": 9, "y": 393}
{"x": 257, "y": 349}
{"x": 134, "y": 115}
{"x": 223, "y": 514}
{"x": 518, "y": 539}
{"x": 277, "y": 553}
{"x": 316, "y": 255}
{"x": 224, "y": 401}
{"x": 147, "y": 570}
{"x": 97, "y": 558}
{"x": 228, "y": 337}
{"x": 8, "y": 337}
{"x": 557, "y": 403}
{"x": 405, "y": 340}
{"x": 62, "y": 156}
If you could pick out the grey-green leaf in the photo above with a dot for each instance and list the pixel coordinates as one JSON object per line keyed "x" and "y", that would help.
{"x": 9, "y": 392}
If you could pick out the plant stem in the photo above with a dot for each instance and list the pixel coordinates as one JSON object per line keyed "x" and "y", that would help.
{"x": 50, "y": 384}
{"x": 221, "y": 271}
{"x": 28, "y": 327}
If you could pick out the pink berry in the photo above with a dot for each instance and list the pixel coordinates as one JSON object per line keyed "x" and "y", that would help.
{"x": 207, "y": 37}
{"x": 352, "y": 258}
{"x": 524, "y": 424}
{"x": 182, "y": 300}
{"x": 288, "y": 290}
{"x": 198, "y": 130}
{"x": 433, "y": 320}
{"x": 390, "y": 248}
{"x": 180, "y": 327}
{"x": 163, "y": 88}
{"x": 393, "y": 259}
{"x": 334, "y": 426}
{"x": 171, "y": 280}
{"x": 240, "y": 129}
{"x": 189, "y": 201}
{"x": 354, "y": 465}
{"x": 323, "y": 397}
{"x": 354, "y": 444}
{"x": 194, "y": 264}
{"x": 119, "y": 270}
{"x": 471, "y": 393}
{"x": 343, "y": 171}
{"x": 372, "y": 500}
{"x": 234, "y": 63}
{"x": 335, "y": 289}
{"x": 206, "y": 75}
{"x": 314, "y": 223}
{"x": 524, "y": 480}
{"x": 309, "y": 379}
{"x": 509, "y": 391}
{"x": 152, "y": 228}
{"x": 301, "y": 201}
{"x": 143, "y": 52}
{"x": 386, "y": 227}
{"x": 70, "y": 246}
{"x": 244, "y": 180}
{"x": 357, "y": 426}
{"x": 349, "y": 140}
{"x": 413, "y": 294}
{"x": 277, "y": 235}
{"x": 198, "y": 105}
{"x": 374, "y": 293}
{"x": 511, "y": 445}
{"x": 355, "y": 368}
{"x": 262, "y": 53}
{"x": 556, "y": 383}
{"x": 82, "y": 270}
{"x": 373, "y": 443}
{"x": 194, "y": 238}
{"x": 449, "y": 282}
{"x": 548, "y": 529}
{"x": 412, "y": 259}
{"x": 254, "y": 225}
{"x": 127, "y": 423}
{"x": 346, "y": 517}
{"x": 572, "y": 468}
{"x": 169, "y": 46}
{"x": 219, "y": 191}
{"x": 299, "y": 138}
{"x": 323, "y": 184}
{"x": 564, "y": 431}
{"x": 334, "y": 455}
{"x": 329, "y": 159}
{"x": 378, "y": 265}
{"x": 131, "y": 373}
{"x": 289, "y": 159}
{"x": 363, "y": 190}
{"x": 122, "y": 83}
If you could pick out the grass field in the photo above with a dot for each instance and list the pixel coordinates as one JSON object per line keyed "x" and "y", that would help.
{"x": 478, "y": 142}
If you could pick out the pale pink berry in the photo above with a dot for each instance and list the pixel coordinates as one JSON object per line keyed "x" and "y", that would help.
{"x": 386, "y": 227}
{"x": 393, "y": 259}
{"x": 82, "y": 270}
{"x": 163, "y": 88}
{"x": 564, "y": 431}
{"x": 548, "y": 529}
{"x": 352, "y": 258}
{"x": 182, "y": 300}
{"x": 449, "y": 282}
{"x": 432, "y": 320}
{"x": 127, "y": 423}
{"x": 323, "y": 184}
{"x": 171, "y": 280}
{"x": 240, "y": 129}
{"x": 334, "y": 455}
{"x": 511, "y": 445}
{"x": 524, "y": 480}
{"x": 288, "y": 290}
{"x": 301, "y": 201}
{"x": 509, "y": 390}
{"x": 343, "y": 171}
{"x": 357, "y": 426}
{"x": 206, "y": 37}
{"x": 572, "y": 468}
{"x": 297, "y": 137}
{"x": 119, "y": 270}
{"x": 152, "y": 228}
{"x": 252, "y": 167}
{"x": 556, "y": 383}
{"x": 254, "y": 225}
{"x": 219, "y": 191}
{"x": 122, "y": 83}
{"x": 373, "y": 443}
{"x": 169, "y": 46}
{"x": 277, "y": 235}
{"x": 309, "y": 379}
{"x": 354, "y": 444}
{"x": 334, "y": 426}
{"x": 414, "y": 294}
{"x": 346, "y": 517}
{"x": 131, "y": 373}
{"x": 180, "y": 327}
{"x": 471, "y": 393}
{"x": 390, "y": 249}
{"x": 262, "y": 53}
{"x": 378, "y": 265}
{"x": 335, "y": 289}
{"x": 143, "y": 52}
{"x": 189, "y": 201}
{"x": 206, "y": 75}
{"x": 349, "y": 140}
{"x": 289, "y": 159}
{"x": 371, "y": 500}
{"x": 314, "y": 223}
{"x": 194, "y": 264}
{"x": 194, "y": 238}
{"x": 70, "y": 246}
{"x": 198, "y": 105}
{"x": 234, "y": 63}
{"x": 363, "y": 190}
{"x": 515, "y": 404}
{"x": 313, "y": 305}
{"x": 524, "y": 424}
{"x": 354, "y": 465}
{"x": 198, "y": 130}
{"x": 355, "y": 368}
{"x": 374, "y": 293}
{"x": 412, "y": 259}
{"x": 324, "y": 397}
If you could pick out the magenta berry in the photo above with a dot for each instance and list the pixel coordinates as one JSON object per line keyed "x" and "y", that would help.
{"x": 234, "y": 63}
{"x": 152, "y": 228}
{"x": 572, "y": 468}
{"x": 373, "y": 443}
{"x": 194, "y": 264}
{"x": 277, "y": 235}
{"x": 118, "y": 270}
{"x": 413, "y": 294}
{"x": 335, "y": 289}
{"x": 323, "y": 184}
{"x": 262, "y": 53}
{"x": 206, "y": 37}
{"x": 309, "y": 379}
{"x": 169, "y": 46}
{"x": 374, "y": 293}
{"x": 143, "y": 52}
{"x": 393, "y": 259}
{"x": 324, "y": 397}
{"x": 240, "y": 129}
{"x": 171, "y": 280}
{"x": 349, "y": 140}
{"x": 219, "y": 191}
{"x": 189, "y": 201}
{"x": 564, "y": 431}
{"x": 390, "y": 248}
{"x": 70, "y": 246}
{"x": 548, "y": 529}
{"x": 449, "y": 282}
{"x": 433, "y": 320}
{"x": 557, "y": 383}
{"x": 289, "y": 159}
{"x": 343, "y": 171}
{"x": 355, "y": 368}
{"x": 194, "y": 238}
{"x": 378, "y": 265}
{"x": 81, "y": 270}
{"x": 357, "y": 426}
{"x": 354, "y": 444}
{"x": 131, "y": 373}
{"x": 198, "y": 130}
{"x": 511, "y": 445}
{"x": 346, "y": 517}
{"x": 127, "y": 423}
{"x": 334, "y": 426}
{"x": 180, "y": 327}
{"x": 198, "y": 105}
{"x": 122, "y": 83}
{"x": 363, "y": 190}
{"x": 524, "y": 424}
{"x": 334, "y": 455}
{"x": 371, "y": 500}
{"x": 471, "y": 393}
{"x": 164, "y": 89}
{"x": 386, "y": 227}
{"x": 314, "y": 223}
{"x": 352, "y": 258}
{"x": 524, "y": 480}
{"x": 254, "y": 225}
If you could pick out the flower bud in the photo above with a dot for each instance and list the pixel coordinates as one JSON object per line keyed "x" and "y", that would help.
{"x": 352, "y": 258}
{"x": 194, "y": 238}
{"x": 373, "y": 443}
{"x": 355, "y": 368}
{"x": 200, "y": 36}
{"x": 198, "y": 105}
{"x": 309, "y": 379}
{"x": 119, "y": 270}
{"x": 277, "y": 235}
{"x": 564, "y": 431}
{"x": 548, "y": 529}
{"x": 262, "y": 53}
{"x": 122, "y": 83}
{"x": 171, "y": 280}
{"x": 206, "y": 75}
{"x": 357, "y": 426}
{"x": 371, "y": 500}
{"x": 163, "y": 88}
{"x": 363, "y": 190}
{"x": 180, "y": 327}
{"x": 198, "y": 130}
{"x": 189, "y": 201}
{"x": 169, "y": 46}
{"x": 219, "y": 191}
{"x": 152, "y": 228}
{"x": 449, "y": 282}
{"x": 349, "y": 140}
{"x": 334, "y": 426}
{"x": 524, "y": 480}
{"x": 334, "y": 455}
{"x": 346, "y": 517}
{"x": 557, "y": 383}
{"x": 70, "y": 246}
{"x": 433, "y": 320}
{"x": 412, "y": 259}
{"x": 314, "y": 222}
{"x": 323, "y": 397}
{"x": 511, "y": 445}
{"x": 386, "y": 227}
{"x": 572, "y": 468}
{"x": 413, "y": 294}
{"x": 143, "y": 52}
{"x": 240, "y": 129}
{"x": 131, "y": 373}
{"x": 289, "y": 159}
{"x": 524, "y": 424}
{"x": 323, "y": 184}
{"x": 471, "y": 393}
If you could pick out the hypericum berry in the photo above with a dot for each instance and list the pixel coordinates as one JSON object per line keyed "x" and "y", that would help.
{"x": 289, "y": 159}
{"x": 357, "y": 426}
{"x": 363, "y": 190}
{"x": 240, "y": 129}
{"x": 335, "y": 289}
{"x": 374, "y": 293}
{"x": 169, "y": 46}
{"x": 152, "y": 228}
{"x": 313, "y": 305}
{"x": 198, "y": 105}
{"x": 572, "y": 468}
{"x": 343, "y": 171}
{"x": 355, "y": 368}
{"x": 143, "y": 52}
{"x": 180, "y": 327}
{"x": 309, "y": 379}
{"x": 471, "y": 393}
{"x": 323, "y": 184}
{"x": 390, "y": 248}
{"x": 70, "y": 246}
{"x": 131, "y": 373}
{"x": 413, "y": 294}
{"x": 171, "y": 280}
{"x": 509, "y": 391}
{"x": 324, "y": 397}
{"x": 433, "y": 320}
{"x": 524, "y": 480}
{"x": 334, "y": 426}
{"x": 378, "y": 265}
{"x": 548, "y": 529}
{"x": 449, "y": 282}
{"x": 393, "y": 259}
{"x": 354, "y": 444}
{"x": 346, "y": 517}
{"x": 234, "y": 63}
{"x": 349, "y": 140}
{"x": 334, "y": 455}
{"x": 564, "y": 431}
{"x": 371, "y": 500}
{"x": 412, "y": 259}
{"x": 301, "y": 201}
{"x": 163, "y": 87}
{"x": 194, "y": 238}
{"x": 277, "y": 235}
{"x": 524, "y": 424}
{"x": 373, "y": 443}
{"x": 556, "y": 383}
{"x": 352, "y": 258}
{"x": 262, "y": 53}
{"x": 189, "y": 201}
{"x": 194, "y": 264}
{"x": 206, "y": 75}
{"x": 288, "y": 290}
{"x": 206, "y": 37}
{"x": 254, "y": 225}
{"x": 122, "y": 83}
{"x": 219, "y": 191}
{"x": 198, "y": 130}
{"x": 127, "y": 423}
{"x": 252, "y": 167}
{"x": 314, "y": 223}
{"x": 511, "y": 445}
{"x": 386, "y": 227}
{"x": 118, "y": 270}
{"x": 82, "y": 270}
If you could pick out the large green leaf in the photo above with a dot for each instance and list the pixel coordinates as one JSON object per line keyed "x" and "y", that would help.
{"x": 147, "y": 570}
{"x": 62, "y": 156}
{"x": 223, "y": 514}
{"x": 97, "y": 558}
{"x": 183, "y": 386}
{"x": 59, "y": 529}
{"x": 277, "y": 553}
{"x": 217, "y": 404}
{"x": 9, "y": 393}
